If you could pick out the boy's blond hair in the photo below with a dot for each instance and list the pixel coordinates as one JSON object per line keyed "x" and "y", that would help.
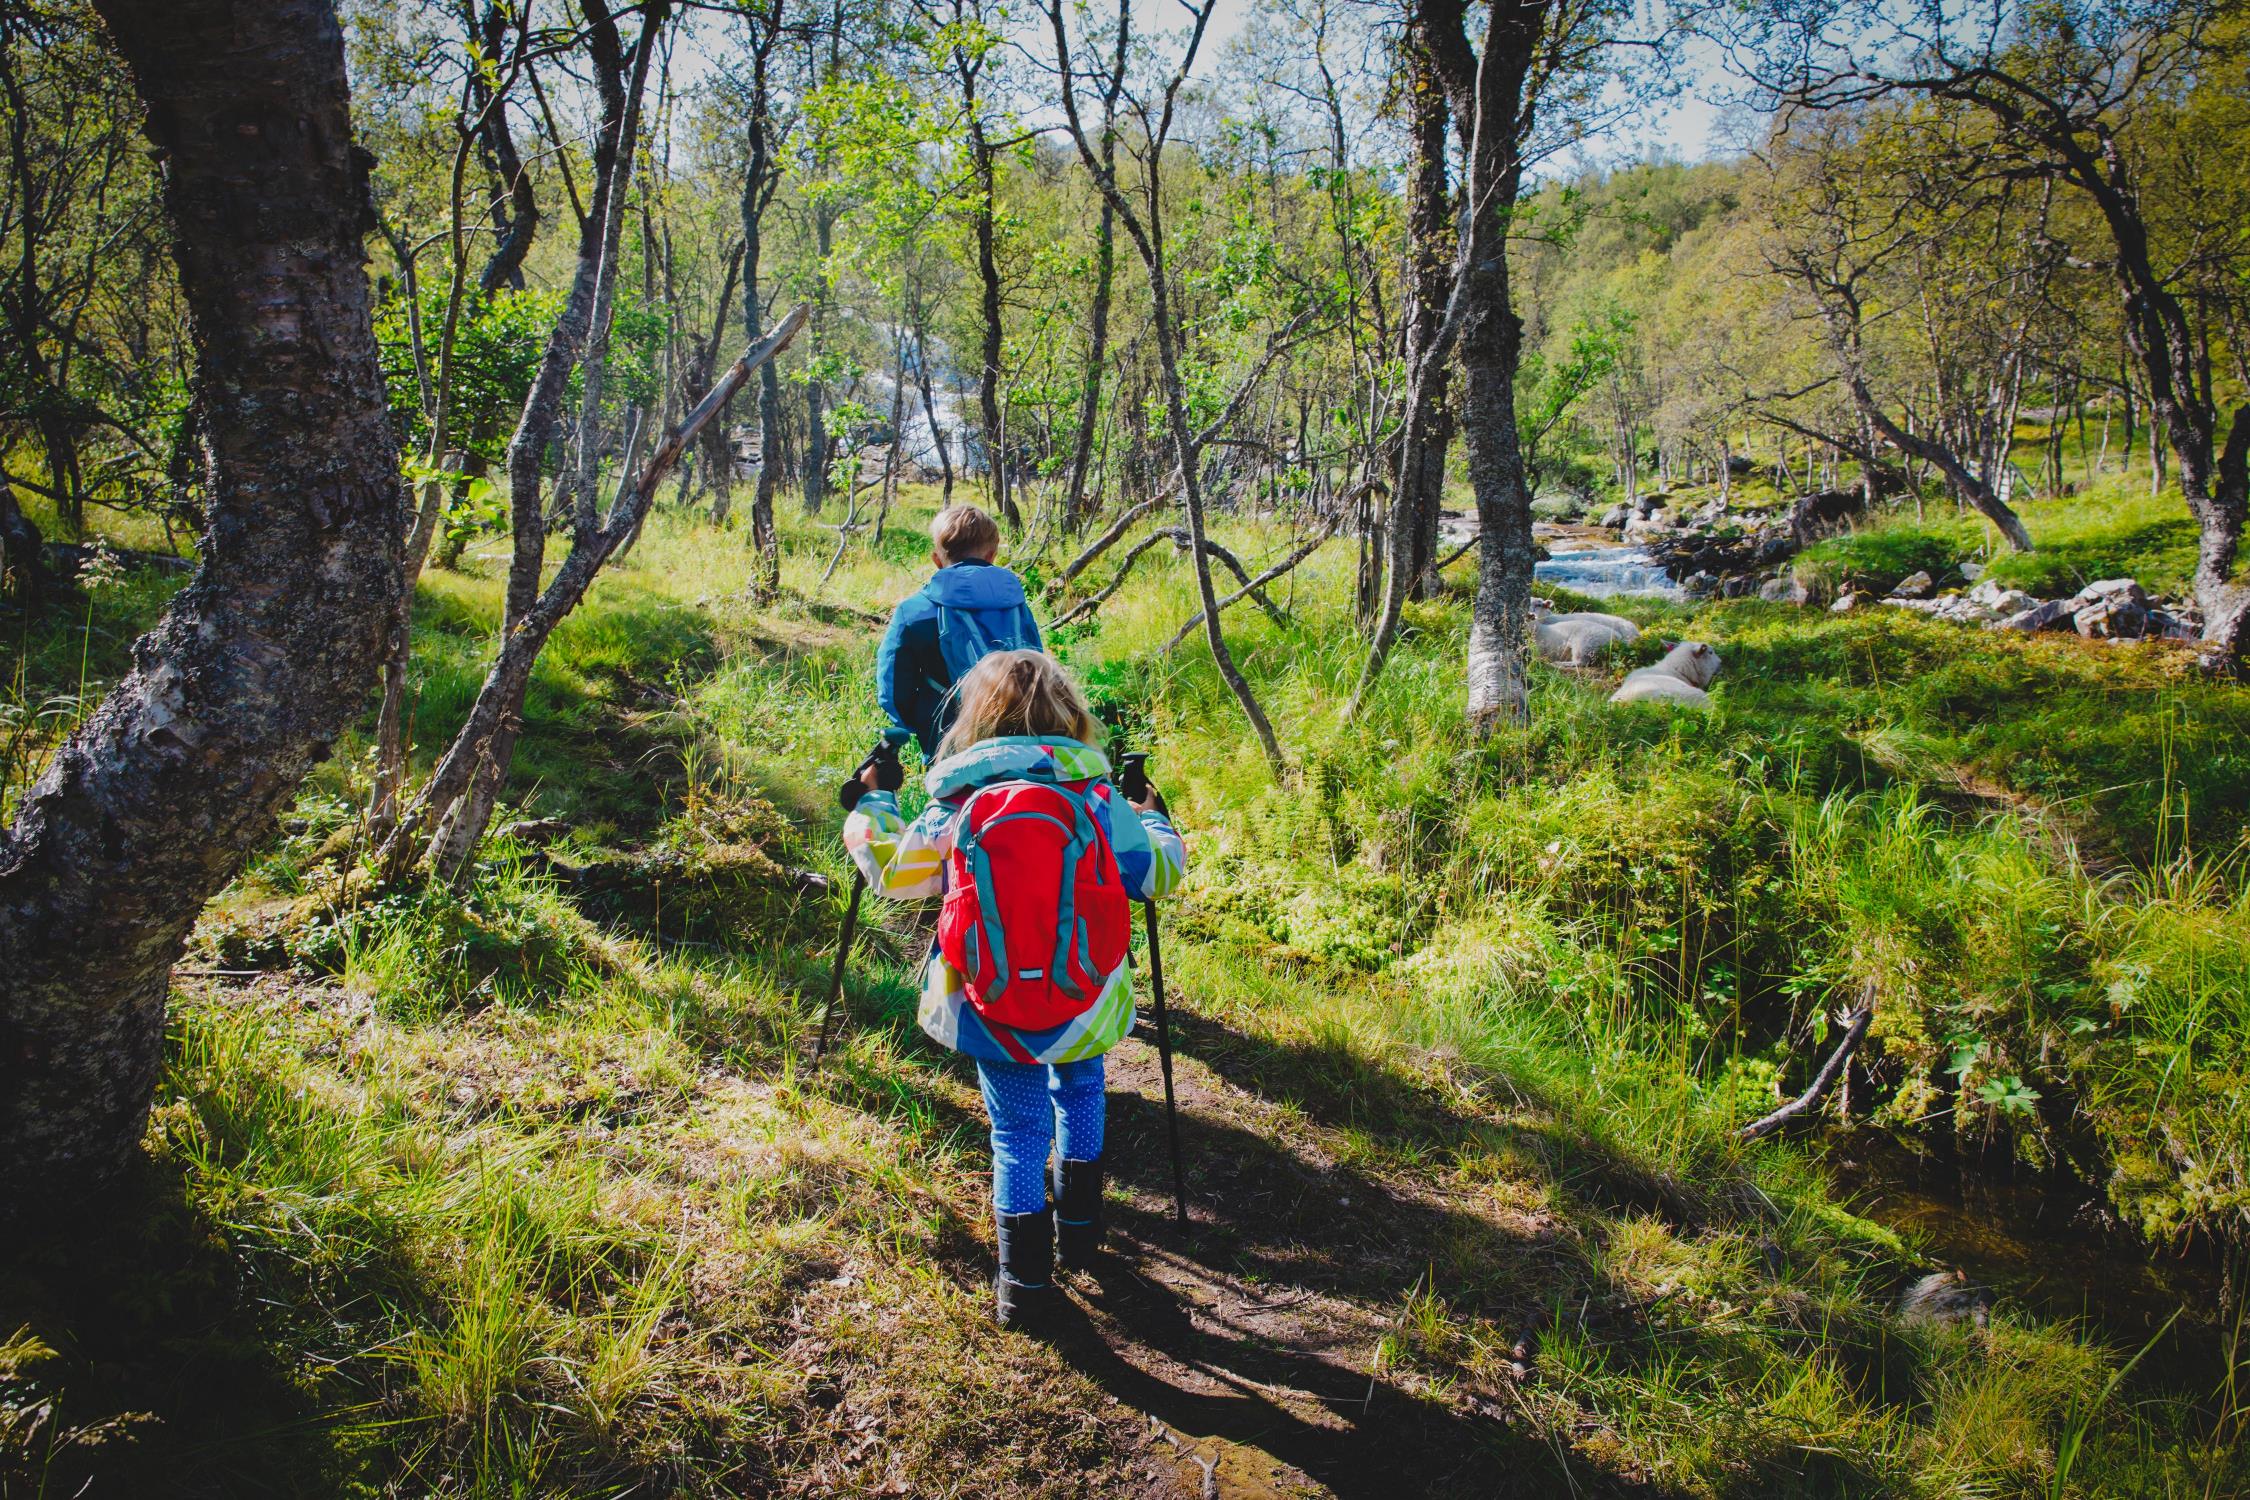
{"x": 960, "y": 531}
{"x": 1018, "y": 693}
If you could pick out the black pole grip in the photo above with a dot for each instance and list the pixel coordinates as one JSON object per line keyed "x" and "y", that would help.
{"x": 1132, "y": 774}
{"x": 889, "y": 775}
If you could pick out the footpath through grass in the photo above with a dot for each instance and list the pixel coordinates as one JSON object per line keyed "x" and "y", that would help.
{"x": 528, "y": 1192}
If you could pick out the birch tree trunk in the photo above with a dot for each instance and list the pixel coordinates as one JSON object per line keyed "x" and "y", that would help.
{"x": 268, "y": 653}
{"x": 1492, "y": 113}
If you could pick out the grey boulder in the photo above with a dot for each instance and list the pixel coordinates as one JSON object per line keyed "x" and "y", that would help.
{"x": 2051, "y": 614}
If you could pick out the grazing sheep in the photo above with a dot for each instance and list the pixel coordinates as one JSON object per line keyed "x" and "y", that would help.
{"x": 1578, "y": 640}
{"x": 1680, "y": 678}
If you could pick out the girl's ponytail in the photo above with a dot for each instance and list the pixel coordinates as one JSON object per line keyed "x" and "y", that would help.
{"x": 1018, "y": 693}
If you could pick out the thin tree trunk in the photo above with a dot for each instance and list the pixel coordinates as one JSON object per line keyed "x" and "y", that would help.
{"x": 816, "y": 391}
{"x": 716, "y": 451}
{"x": 1427, "y": 429}
{"x": 1105, "y": 272}
{"x": 492, "y": 722}
{"x": 898, "y": 435}
{"x": 518, "y": 224}
{"x": 266, "y": 656}
{"x": 542, "y": 407}
{"x": 1421, "y": 495}
{"x": 988, "y": 282}
{"x": 1097, "y": 354}
{"x": 390, "y": 738}
{"x": 758, "y": 184}
{"x": 1148, "y": 239}
{"x": 475, "y": 766}
{"x": 938, "y": 439}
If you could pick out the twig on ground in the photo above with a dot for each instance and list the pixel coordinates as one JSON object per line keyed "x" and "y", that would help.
{"x": 1854, "y": 1032}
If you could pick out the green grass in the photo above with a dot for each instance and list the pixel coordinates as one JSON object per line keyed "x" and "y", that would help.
{"x": 518, "y": 1192}
{"x": 1880, "y": 557}
{"x": 2113, "y": 528}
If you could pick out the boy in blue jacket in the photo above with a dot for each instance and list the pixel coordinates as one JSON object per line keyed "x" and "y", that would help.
{"x": 971, "y": 608}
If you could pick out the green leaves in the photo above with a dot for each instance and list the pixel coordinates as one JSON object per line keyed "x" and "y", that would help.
{"x": 2009, "y": 1095}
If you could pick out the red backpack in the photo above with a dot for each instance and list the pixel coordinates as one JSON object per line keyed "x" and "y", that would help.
{"x": 1035, "y": 918}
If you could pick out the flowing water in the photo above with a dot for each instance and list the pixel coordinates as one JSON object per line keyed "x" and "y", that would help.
{"x": 2047, "y": 1244}
{"x": 1601, "y": 572}
{"x": 1584, "y": 559}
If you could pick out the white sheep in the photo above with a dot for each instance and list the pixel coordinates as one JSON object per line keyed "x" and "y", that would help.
{"x": 1578, "y": 640}
{"x": 1687, "y": 669}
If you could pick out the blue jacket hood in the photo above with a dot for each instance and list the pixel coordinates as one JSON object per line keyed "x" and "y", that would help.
{"x": 975, "y": 586}
{"x": 1016, "y": 757}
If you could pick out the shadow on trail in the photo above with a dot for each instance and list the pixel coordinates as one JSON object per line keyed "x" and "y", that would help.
{"x": 1348, "y": 1089}
{"x": 1324, "y": 1200}
{"x": 1259, "y": 1325}
{"x": 1266, "y": 1314}
{"x": 172, "y": 1369}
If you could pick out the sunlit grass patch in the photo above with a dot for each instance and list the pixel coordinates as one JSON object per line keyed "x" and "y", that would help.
{"x": 548, "y": 1201}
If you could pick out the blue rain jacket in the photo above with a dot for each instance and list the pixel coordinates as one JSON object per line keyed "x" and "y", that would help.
{"x": 966, "y": 611}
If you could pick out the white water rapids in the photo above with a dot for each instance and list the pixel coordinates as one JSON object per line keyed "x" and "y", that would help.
{"x": 1582, "y": 559}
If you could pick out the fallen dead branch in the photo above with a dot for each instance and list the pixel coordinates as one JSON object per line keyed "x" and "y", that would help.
{"x": 1252, "y": 586}
{"x": 1855, "y": 1031}
{"x": 1108, "y": 539}
{"x": 1085, "y": 607}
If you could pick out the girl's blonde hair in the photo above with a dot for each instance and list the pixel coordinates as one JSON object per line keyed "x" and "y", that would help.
{"x": 1018, "y": 693}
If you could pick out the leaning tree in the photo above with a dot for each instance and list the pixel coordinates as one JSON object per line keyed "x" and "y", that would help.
{"x": 2066, "y": 86}
{"x": 267, "y": 654}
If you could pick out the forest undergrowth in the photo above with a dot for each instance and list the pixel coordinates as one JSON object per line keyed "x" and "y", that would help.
{"x": 528, "y": 1189}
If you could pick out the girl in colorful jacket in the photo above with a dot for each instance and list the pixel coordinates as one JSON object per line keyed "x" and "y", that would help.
{"x": 1022, "y": 720}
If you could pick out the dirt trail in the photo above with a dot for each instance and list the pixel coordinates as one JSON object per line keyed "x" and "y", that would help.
{"x": 1251, "y": 1341}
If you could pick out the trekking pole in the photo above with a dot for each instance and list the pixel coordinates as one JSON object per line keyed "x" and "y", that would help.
{"x": 885, "y": 755}
{"x": 836, "y": 975}
{"x": 1133, "y": 782}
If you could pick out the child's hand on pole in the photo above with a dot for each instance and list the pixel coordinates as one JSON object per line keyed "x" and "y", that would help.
{"x": 1132, "y": 780}
{"x": 880, "y": 772}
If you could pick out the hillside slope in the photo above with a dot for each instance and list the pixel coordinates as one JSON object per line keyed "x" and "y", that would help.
{"x": 531, "y": 1191}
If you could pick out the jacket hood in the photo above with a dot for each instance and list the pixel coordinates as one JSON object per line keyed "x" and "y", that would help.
{"x": 1016, "y": 758}
{"x": 975, "y": 586}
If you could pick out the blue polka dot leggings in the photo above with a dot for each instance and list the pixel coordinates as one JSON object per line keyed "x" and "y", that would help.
{"x": 1026, "y": 1102}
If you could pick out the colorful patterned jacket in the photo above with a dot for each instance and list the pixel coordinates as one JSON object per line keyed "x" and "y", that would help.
{"x": 907, "y": 862}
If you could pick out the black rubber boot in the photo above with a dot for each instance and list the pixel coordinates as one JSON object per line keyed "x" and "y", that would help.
{"x": 1078, "y": 1213}
{"x": 1023, "y": 1290}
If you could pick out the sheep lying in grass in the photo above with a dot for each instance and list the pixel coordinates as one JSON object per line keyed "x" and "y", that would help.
{"x": 1578, "y": 640}
{"x": 1687, "y": 669}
